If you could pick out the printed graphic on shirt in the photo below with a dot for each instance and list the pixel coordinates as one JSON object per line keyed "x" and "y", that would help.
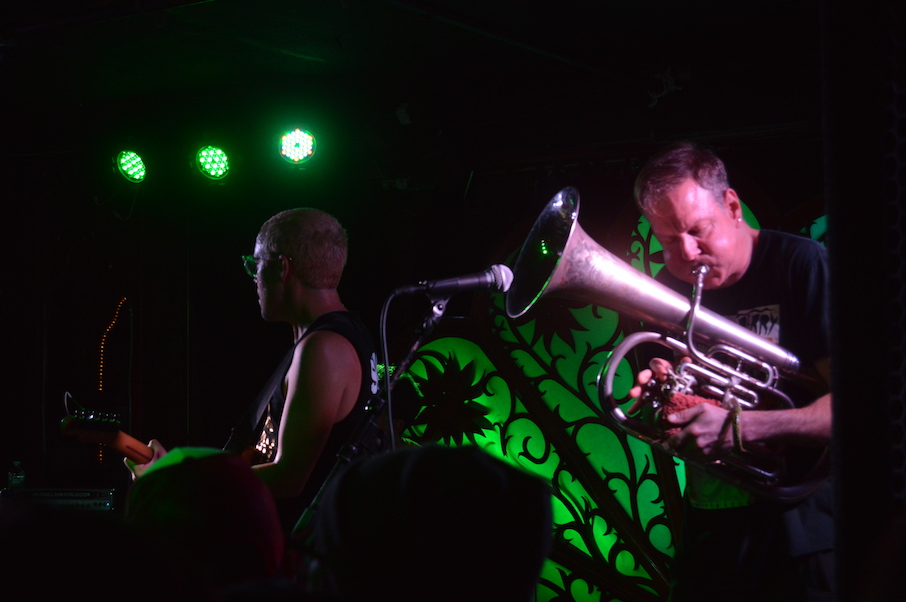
{"x": 374, "y": 374}
{"x": 763, "y": 321}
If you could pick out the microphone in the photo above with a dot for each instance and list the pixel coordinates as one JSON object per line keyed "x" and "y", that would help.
{"x": 496, "y": 278}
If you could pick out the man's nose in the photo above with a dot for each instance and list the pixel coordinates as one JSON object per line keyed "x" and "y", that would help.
{"x": 689, "y": 247}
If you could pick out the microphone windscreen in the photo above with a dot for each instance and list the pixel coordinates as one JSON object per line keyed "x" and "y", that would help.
{"x": 503, "y": 275}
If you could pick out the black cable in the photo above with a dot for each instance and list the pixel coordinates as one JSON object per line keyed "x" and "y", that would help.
{"x": 382, "y": 328}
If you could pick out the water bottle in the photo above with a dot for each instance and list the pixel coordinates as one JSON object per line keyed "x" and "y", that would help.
{"x": 16, "y": 477}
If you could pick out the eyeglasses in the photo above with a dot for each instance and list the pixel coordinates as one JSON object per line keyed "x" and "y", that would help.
{"x": 251, "y": 263}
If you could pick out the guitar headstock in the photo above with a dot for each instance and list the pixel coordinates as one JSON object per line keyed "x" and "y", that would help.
{"x": 92, "y": 427}
{"x": 104, "y": 427}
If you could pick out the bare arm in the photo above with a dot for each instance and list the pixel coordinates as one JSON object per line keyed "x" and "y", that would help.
{"x": 704, "y": 426}
{"x": 705, "y": 431}
{"x": 322, "y": 385}
{"x": 809, "y": 425}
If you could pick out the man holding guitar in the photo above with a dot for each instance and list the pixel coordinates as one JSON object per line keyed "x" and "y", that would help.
{"x": 316, "y": 398}
{"x": 734, "y": 546}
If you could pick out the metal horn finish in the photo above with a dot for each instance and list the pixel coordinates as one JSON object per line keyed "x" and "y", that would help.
{"x": 558, "y": 258}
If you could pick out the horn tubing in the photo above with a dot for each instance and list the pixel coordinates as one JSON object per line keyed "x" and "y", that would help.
{"x": 559, "y": 258}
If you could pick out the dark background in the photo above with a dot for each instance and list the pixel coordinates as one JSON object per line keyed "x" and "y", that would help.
{"x": 443, "y": 129}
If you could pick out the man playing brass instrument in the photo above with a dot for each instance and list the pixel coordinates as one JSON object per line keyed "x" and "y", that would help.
{"x": 735, "y": 546}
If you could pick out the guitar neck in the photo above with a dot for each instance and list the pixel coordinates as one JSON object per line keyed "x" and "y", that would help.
{"x": 90, "y": 431}
{"x": 132, "y": 448}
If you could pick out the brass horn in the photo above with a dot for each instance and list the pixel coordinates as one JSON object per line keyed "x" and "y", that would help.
{"x": 559, "y": 259}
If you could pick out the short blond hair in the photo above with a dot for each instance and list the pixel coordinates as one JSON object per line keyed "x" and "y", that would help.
{"x": 314, "y": 240}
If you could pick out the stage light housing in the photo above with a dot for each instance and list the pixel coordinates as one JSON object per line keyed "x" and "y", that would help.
{"x": 298, "y": 146}
{"x": 212, "y": 162}
{"x": 130, "y": 166}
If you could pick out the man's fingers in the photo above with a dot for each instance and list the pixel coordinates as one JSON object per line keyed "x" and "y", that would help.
{"x": 660, "y": 367}
{"x": 137, "y": 469}
{"x": 157, "y": 447}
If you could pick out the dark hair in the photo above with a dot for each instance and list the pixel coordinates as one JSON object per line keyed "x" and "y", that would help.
{"x": 210, "y": 511}
{"x": 432, "y": 522}
{"x": 675, "y": 163}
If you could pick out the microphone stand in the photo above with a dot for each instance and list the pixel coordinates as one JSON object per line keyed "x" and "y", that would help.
{"x": 353, "y": 447}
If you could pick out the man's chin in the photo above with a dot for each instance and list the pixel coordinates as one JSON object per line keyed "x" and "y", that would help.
{"x": 717, "y": 282}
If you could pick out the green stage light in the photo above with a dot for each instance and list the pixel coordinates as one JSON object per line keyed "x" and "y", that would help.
{"x": 131, "y": 166}
{"x": 212, "y": 162}
{"x": 298, "y": 146}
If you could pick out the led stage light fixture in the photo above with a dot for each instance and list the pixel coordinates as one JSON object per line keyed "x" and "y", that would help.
{"x": 298, "y": 146}
{"x": 130, "y": 166}
{"x": 212, "y": 162}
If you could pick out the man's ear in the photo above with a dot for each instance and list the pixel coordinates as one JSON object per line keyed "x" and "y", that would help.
{"x": 732, "y": 204}
{"x": 287, "y": 268}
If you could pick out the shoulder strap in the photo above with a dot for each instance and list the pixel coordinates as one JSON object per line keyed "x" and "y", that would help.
{"x": 247, "y": 429}
{"x": 242, "y": 434}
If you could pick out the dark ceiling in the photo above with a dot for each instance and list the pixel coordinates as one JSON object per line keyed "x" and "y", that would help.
{"x": 459, "y": 106}
{"x": 486, "y": 85}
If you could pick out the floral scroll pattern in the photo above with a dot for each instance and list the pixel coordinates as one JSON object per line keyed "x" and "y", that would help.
{"x": 526, "y": 390}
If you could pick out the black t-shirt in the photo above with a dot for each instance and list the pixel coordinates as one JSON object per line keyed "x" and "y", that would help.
{"x": 783, "y": 296}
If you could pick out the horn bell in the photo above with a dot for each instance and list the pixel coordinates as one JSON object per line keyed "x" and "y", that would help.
{"x": 542, "y": 252}
{"x": 559, "y": 258}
